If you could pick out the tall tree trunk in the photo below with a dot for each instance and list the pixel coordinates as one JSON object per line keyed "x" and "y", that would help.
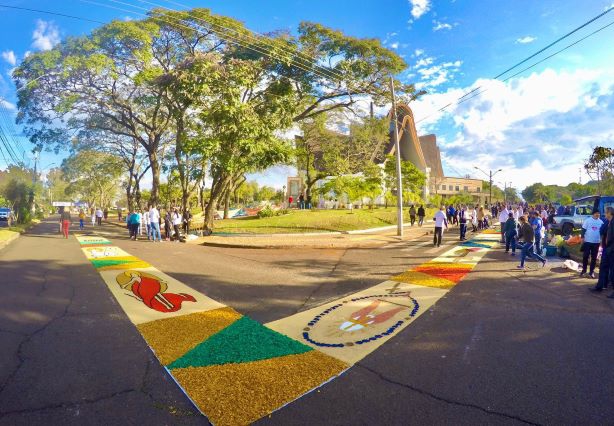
{"x": 218, "y": 188}
{"x": 227, "y": 203}
{"x": 155, "y": 177}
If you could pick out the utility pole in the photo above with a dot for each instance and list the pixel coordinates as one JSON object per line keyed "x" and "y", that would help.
{"x": 398, "y": 157}
{"x": 490, "y": 175}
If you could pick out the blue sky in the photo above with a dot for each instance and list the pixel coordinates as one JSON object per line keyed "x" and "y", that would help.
{"x": 537, "y": 127}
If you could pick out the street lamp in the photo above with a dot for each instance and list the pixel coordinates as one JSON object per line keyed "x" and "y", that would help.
{"x": 490, "y": 175}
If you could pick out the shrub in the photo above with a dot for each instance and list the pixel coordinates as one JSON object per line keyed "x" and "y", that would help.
{"x": 266, "y": 212}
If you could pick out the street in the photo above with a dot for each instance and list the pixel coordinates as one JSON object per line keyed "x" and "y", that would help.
{"x": 502, "y": 347}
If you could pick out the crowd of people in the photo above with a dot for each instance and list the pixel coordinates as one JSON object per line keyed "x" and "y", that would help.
{"x": 151, "y": 221}
{"x": 526, "y": 228}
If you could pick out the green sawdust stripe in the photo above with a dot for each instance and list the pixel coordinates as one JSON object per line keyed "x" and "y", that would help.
{"x": 101, "y": 263}
{"x": 245, "y": 340}
{"x": 88, "y": 243}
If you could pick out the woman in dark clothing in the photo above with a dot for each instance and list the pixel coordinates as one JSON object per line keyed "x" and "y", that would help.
{"x": 421, "y": 214}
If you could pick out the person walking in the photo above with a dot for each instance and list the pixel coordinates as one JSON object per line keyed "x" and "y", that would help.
{"x": 527, "y": 235}
{"x": 176, "y": 217}
{"x": 462, "y": 221}
{"x": 154, "y": 223}
{"x": 510, "y": 228}
{"x": 440, "y": 221}
{"x": 591, "y": 239}
{"x": 187, "y": 216}
{"x": 134, "y": 222}
{"x": 99, "y": 215}
{"x": 421, "y": 214}
{"x": 66, "y": 220}
{"x": 481, "y": 218}
{"x": 503, "y": 216}
{"x": 606, "y": 267}
{"x": 168, "y": 225}
{"x": 106, "y": 213}
{"x": 119, "y": 214}
{"x": 538, "y": 227}
{"x": 412, "y": 215}
{"x": 81, "y": 219}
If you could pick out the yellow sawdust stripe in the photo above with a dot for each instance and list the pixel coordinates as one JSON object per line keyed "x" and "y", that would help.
{"x": 239, "y": 394}
{"x": 171, "y": 338}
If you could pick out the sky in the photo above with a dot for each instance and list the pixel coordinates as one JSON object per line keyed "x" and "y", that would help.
{"x": 537, "y": 127}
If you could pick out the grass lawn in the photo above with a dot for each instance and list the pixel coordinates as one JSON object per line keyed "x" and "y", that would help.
{"x": 7, "y": 233}
{"x": 302, "y": 221}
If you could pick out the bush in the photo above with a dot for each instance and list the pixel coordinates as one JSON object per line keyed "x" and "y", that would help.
{"x": 266, "y": 212}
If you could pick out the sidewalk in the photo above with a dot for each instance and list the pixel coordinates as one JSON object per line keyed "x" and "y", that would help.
{"x": 369, "y": 238}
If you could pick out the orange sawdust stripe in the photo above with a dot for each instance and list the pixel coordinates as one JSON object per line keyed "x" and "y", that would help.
{"x": 239, "y": 394}
{"x": 454, "y": 274}
{"x": 170, "y": 338}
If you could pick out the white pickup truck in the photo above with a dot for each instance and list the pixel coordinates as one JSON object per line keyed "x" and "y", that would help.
{"x": 566, "y": 223}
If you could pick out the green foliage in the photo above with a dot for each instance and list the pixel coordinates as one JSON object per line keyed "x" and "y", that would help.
{"x": 566, "y": 200}
{"x": 539, "y": 193}
{"x": 94, "y": 177}
{"x": 412, "y": 178}
{"x": 266, "y": 212}
{"x": 600, "y": 166}
{"x": 462, "y": 198}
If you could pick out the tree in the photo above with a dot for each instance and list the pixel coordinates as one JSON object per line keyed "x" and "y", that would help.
{"x": 565, "y": 200}
{"x": 412, "y": 178}
{"x": 538, "y": 193}
{"x": 600, "y": 166}
{"x": 94, "y": 176}
{"x": 462, "y": 198}
{"x": 266, "y": 193}
{"x": 18, "y": 187}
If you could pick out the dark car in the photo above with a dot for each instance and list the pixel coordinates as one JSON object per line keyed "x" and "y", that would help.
{"x": 6, "y": 216}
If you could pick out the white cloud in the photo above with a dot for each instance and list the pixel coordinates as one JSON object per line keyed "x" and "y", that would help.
{"x": 9, "y": 56}
{"x": 537, "y": 128}
{"x": 45, "y": 35}
{"x": 438, "y": 26}
{"x": 424, "y": 62}
{"x": 8, "y": 105}
{"x": 395, "y": 45}
{"x": 419, "y": 7}
{"x": 419, "y": 52}
{"x": 526, "y": 40}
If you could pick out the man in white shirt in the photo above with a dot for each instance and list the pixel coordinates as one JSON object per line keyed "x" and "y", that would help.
{"x": 176, "y": 218}
{"x": 154, "y": 223}
{"x": 591, "y": 238}
{"x": 440, "y": 222}
{"x": 99, "y": 215}
{"x": 502, "y": 219}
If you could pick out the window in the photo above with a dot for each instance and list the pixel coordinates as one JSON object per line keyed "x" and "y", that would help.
{"x": 477, "y": 189}
{"x": 443, "y": 187}
{"x": 466, "y": 188}
{"x": 450, "y": 187}
{"x": 457, "y": 188}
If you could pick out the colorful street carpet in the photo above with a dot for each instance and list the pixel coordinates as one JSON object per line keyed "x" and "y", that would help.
{"x": 236, "y": 370}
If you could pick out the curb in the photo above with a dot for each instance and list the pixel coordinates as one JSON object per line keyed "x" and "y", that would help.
{"x": 5, "y": 243}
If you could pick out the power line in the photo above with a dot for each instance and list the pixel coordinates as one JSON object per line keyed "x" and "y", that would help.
{"x": 463, "y": 99}
{"x": 220, "y": 34}
{"x": 51, "y": 13}
{"x": 307, "y": 59}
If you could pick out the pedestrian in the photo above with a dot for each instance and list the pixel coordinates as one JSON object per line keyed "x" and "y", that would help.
{"x": 301, "y": 201}
{"x": 481, "y": 218}
{"x": 168, "y": 224}
{"x": 119, "y": 214}
{"x": 527, "y": 235}
{"x": 134, "y": 222}
{"x": 106, "y": 213}
{"x": 65, "y": 221}
{"x": 412, "y": 215}
{"x": 606, "y": 267}
{"x": 591, "y": 239}
{"x": 421, "y": 214}
{"x": 538, "y": 226}
{"x": 93, "y": 213}
{"x": 510, "y": 228}
{"x": 99, "y": 215}
{"x": 187, "y": 216}
{"x": 455, "y": 216}
{"x": 440, "y": 221}
{"x": 604, "y": 233}
{"x": 503, "y": 216}
{"x": 474, "y": 219}
{"x": 154, "y": 223}
{"x": 176, "y": 217}
{"x": 81, "y": 219}
{"x": 462, "y": 221}
{"x": 290, "y": 199}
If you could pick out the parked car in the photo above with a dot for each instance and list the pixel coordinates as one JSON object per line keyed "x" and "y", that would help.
{"x": 584, "y": 207}
{"x": 6, "y": 216}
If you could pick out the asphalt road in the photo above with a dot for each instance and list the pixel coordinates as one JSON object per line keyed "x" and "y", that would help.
{"x": 502, "y": 347}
